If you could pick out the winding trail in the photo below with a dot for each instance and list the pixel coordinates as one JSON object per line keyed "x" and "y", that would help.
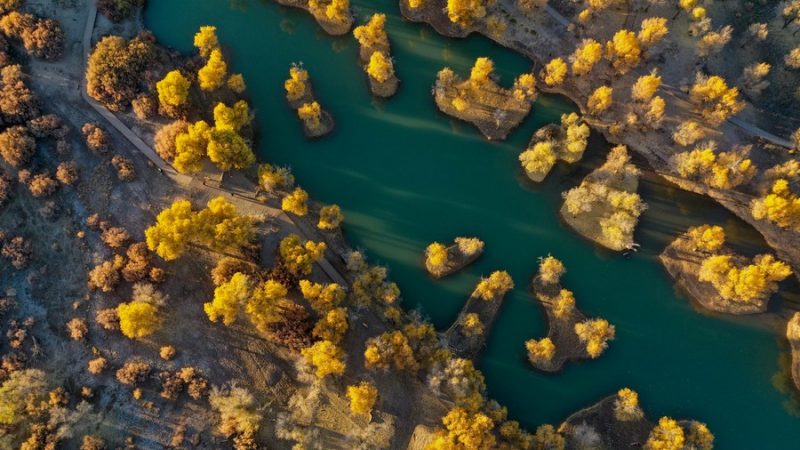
{"x": 242, "y": 196}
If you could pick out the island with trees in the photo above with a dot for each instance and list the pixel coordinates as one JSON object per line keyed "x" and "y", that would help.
{"x": 375, "y": 56}
{"x": 565, "y": 142}
{"x": 443, "y": 260}
{"x": 299, "y": 94}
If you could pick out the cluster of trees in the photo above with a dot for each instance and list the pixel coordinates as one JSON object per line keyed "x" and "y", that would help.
{"x": 706, "y": 238}
{"x": 42, "y": 38}
{"x": 465, "y": 12}
{"x": 115, "y": 67}
{"x": 595, "y": 334}
{"x": 337, "y": 11}
{"x": 780, "y": 206}
{"x": 494, "y": 287}
{"x": 714, "y": 99}
{"x": 626, "y": 406}
{"x": 668, "y": 434}
{"x": 723, "y": 170}
{"x": 474, "y": 90}
{"x": 647, "y": 108}
{"x": 118, "y": 10}
{"x": 566, "y": 142}
{"x": 748, "y": 283}
{"x": 218, "y": 227}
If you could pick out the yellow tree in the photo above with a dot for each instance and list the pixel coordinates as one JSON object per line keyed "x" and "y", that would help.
{"x": 539, "y": 351}
{"x": 232, "y": 118}
{"x": 206, "y": 40}
{"x": 296, "y": 202}
{"x": 464, "y": 430}
{"x": 667, "y": 435}
{"x": 547, "y": 437}
{"x": 595, "y": 333}
{"x": 330, "y": 217}
{"x": 646, "y": 86}
{"x": 564, "y": 304}
{"x": 266, "y": 304}
{"x": 298, "y": 256}
{"x": 173, "y": 230}
{"x": 780, "y": 206}
{"x": 744, "y": 284}
{"x": 471, "y": 325}
{"x": 714, "y": 99}
{"x": 372, "y": 35}
{"x": 600, "y": 100}
{"x": 623, "y": 51}
{"x": 236, "y": 83}
{"x": 228, "y": 150}
{"x": 191, "y": 147}
{"x": 173, "y": 89}
{"x": 326, "y": 358}
{"x": 380, "y": 67}
{"x": 494, "y": 287}
{"x": 653, "y": 30}
{"x": 708, "y": 238}
{"x": 555, "y": 72}
{"x": 229, "y": 298}
{"x": 322, "y": 297}
{"x": 436, "y": 256}
{"x": 296, "y": 84}
{"x": 525, "y": 87}
{"x": 362, "y": 398}
{"x": 332, "y": 326}
{"x": 272, "y": 178}
{"x": 138, "y": 319}
{"x": 481, "y": 70}
{"x": 551, "y": 270}
{"x": 221, "y": 227}
{"x": 212, "y": 76}
{"x": 310, "y": 114}
{"x": 626, "y": 406}
{"x": 698, "y": 436}
{"x": 390, "y": 349}
{"x": 465, "y": 12}
{"x": 586, "y": 55}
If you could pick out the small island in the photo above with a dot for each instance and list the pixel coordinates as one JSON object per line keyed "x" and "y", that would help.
{"x": 719, "y": 279}
{"x": 552, "y": 142}
{"x": 316, "y": 121}
{"x": 441, "y": 260}
{"x": 332, "y": 15}
{"x": 375, "y": 56}
{"x": 479, "y": 100}
{"x": 618, "y": 421}
{"x": 466, "y": 337}
{"x": 605, "y": 208}
{"x": 571, "y": 337}
{"x": 793, "y": 335}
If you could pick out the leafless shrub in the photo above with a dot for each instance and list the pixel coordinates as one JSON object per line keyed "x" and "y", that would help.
{"x": 124, "y": 166}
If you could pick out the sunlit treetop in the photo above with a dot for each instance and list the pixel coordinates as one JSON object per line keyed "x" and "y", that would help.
{"x": 206, "y": 40}
{"x": 372, "y": 34}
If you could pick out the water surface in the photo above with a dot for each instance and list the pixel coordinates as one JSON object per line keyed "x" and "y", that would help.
{"x": 406, "y": 175}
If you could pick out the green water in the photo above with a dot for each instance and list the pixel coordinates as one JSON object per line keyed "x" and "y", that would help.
{"x": 406, "y": 175}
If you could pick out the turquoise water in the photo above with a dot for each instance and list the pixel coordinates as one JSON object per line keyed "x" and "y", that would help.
{"x": 406, "y": 175}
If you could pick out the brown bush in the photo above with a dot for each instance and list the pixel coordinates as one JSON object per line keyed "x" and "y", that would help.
{"x": 124, "y": 166}
{"x": 115, "y": 68}
{"x": 144, "y": 106}
{"x": 294, "y": 331}
{"x": 197, "y": 385}
{"x": 93, "y": 221}
{"x": 92, "y": 443}
{"x": 104, "y": 276}
{"x": 171, "y": 385}
{"x": 158, "y": 275}
{"x": 108, "y": 319}
{"x": 227, "y": 267}
{"x": 67, "y": 173}
{"x": 17, "y": 145}
{"x": 133, "y": 372}
{"x": 167, "y": 352}
{"x": 63, "y": 147}
{"x": 18, "y": 251}
{"x": 78, "y": 329}
{"x": 5, "y": 188}
{"x": 96, "y": 137}
{"x": 42, "y": 185}
{"x": 138, "y": 265}
{"x": 18, "y": 104}
{"x": 118, "y": 10}
{"x": 165, "y": 138}
{"x": 48, "y": 126}
{"x": 42, "y": 38}
{"x": 97, "y": 365}
{"x": 115, "y": 237}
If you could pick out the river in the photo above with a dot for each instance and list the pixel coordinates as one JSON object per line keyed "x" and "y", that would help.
{"x": 406, "y": 175}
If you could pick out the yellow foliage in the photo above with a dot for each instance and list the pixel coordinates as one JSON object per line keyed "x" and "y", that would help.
{"x": 236, "y": 83}
{"x": 471, "y": 325}
{"x": 191, "y": 147}
{"x": 436, "y": 256}
{"x": 173, "y": 90}
{"x": 460, "y": 104}
{"x": 299, "y": 257}
{"x": 296, "y": 202}
{"x": 296, "y": 84}
{"x": 227, "y": 118}
{"x": 525, "y": 87}
{"x": 330, "y": 217}
{"x": 372, "y": 34}
{"x": 310, "y": 114}
{"x": 547, "y": 438}
{"x": 469, "y": 246}
{"x": 138, "y": 319}
{"x": 228, "y": 299}
{"x": 272, "y": 178}
{"x": 538, "y": 159}
{"x": 494, "y": 287}
{"x": 414, "y": 4}
{"x": 371, "y": 285}
{"x": 667, "y": 435}
{"x": 480, "y": 72}
{"x": 780, "y": 206}
{"x": 653, "y": 30}
{"x": 326, "y": 357}
{"x": 744, "y": 284}
{"x": 555, "y": 72}
{"x": 332, "y": 326}
{"x": 212, "y": 76}
{"x": 380, "y": 67}
{"x": 266, "y": 304}
{"x": 564, "y": 304}
{"x": 551, "y": 270}
{"x": 646, "y": 86}
{"x": 623, "y": 51}
{"x": 173, "y": 230}
{"x": 322, "y": 297}
{"x": 714, "y": 99}
{"x": 228, "y": 150}
{"x": 687, "y": 5}
{"x": 586, "y": 55}
{"x": 464, "y": 430}
{"x": 362, "y": 398}
{"x": 699, "y": 437}
{"x": 464, "y": 12}
{"x": 626, "y": 406}
{"x": 707, "y": 238}
{"x": 390, "y": 349}
{"x": 595, "y": 333}
{"x": 206, "y": 40}
{"x": 600, "y": 100}
{"x": 688, "y": 132}
{"x": 541, "y": 350}
{"x": 496, "y": 25}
